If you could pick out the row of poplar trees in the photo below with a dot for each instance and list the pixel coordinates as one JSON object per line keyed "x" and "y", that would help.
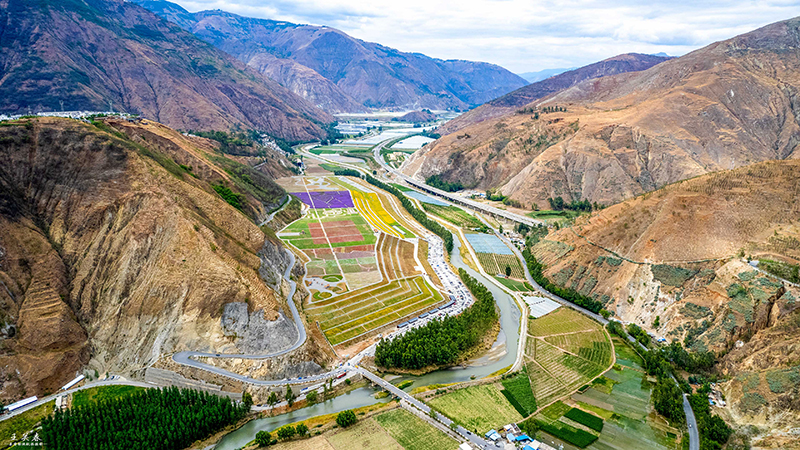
{"x": 152, "y": 419}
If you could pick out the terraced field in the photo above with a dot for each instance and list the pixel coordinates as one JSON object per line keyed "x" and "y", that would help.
{"x": 350, "y": 315}
{"x": 564, "y": 351}
{"x": 396, "y": 257}
{"x": 370, "y": 207}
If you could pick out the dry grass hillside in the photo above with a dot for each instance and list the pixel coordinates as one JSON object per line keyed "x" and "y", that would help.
{"x": 675, "y": 254}
{"x": 111, "y": 254}
{"x": 507, "y": 104}
{"x": 730, "y": 104}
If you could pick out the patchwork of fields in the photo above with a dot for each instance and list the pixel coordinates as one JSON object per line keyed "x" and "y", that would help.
{"x": 361, "y": 271}
{"x": 397, "y": 429}
{"x": 621, "y": 399}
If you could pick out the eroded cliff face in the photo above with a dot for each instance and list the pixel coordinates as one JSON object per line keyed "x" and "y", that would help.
{"x": 112, "y": 258}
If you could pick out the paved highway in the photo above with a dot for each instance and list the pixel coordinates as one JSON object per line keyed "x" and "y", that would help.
{"x": 488, "y": 209}
{"x": 694, "y": 436}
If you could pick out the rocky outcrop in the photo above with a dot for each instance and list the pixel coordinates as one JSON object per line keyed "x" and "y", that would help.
{"x": 81, "y": 55}
{"x": 254, "y": 332}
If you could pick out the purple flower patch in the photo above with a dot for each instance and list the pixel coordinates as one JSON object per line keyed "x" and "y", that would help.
{"x": 326, "y": 199}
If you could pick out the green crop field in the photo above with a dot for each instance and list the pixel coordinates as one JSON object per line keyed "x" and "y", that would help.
{"x": 584, "y": 418}
{"x": 514, "y": 285}
{"x": 96, "y": 394}
{"x": 346, "y": 316}
{"x": 495, "y": 264}
{"x": 568, "y": 433}
{"x": 454, "y": 215}
{"x": 478, "y": 408}
{"x": 562, "y": 320}
{"x": 626, "y": 356}
{"x": 624, "y": 402}
{"x": 412, "y": 432}
{"x": 555, "y": 411}
{"x": 519, "y": 393}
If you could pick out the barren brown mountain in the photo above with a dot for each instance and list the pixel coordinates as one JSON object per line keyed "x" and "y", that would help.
{"x": 116, "y": 249}
{"x": 81, "y": 55}
{"x": 507, "y": 104}
{"x": 678, "y": 255}
{"x": 729, "y": 104}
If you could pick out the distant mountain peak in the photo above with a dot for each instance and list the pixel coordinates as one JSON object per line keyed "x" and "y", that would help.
{"x": 341, "y": 73}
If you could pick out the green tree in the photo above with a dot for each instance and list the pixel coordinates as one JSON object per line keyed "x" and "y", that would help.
{"x": 247, "y": 400}
{"x": 657, "y": 322}
{"x": 508, "y": 271}
{"x": 668, "y": 400}
{"x": 311, "y": 397}
{"x": 302, "y": 430}
{"x": 286, "y": 432}
{"x": 605, "y": 313}
{"x": 289, "y": 396}
{"x": 272, "y": 399}
{"x": 346, "y": 418}
{"x": 263, "y": 438}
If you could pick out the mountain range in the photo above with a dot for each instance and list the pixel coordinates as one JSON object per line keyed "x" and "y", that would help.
{"x": 340, "y": 73}
{"x": 79, "y": 55}
{"x": 606, "y": 139}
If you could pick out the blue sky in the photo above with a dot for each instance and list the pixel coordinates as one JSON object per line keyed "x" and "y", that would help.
{"x": 524, "y": 35}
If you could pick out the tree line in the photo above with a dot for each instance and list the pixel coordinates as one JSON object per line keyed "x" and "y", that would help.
{"x": 558, "y": 204}
{"x": 537, "y": 272}
{"x": 152, "y": 419}
{"x": 417, "y": 214}
{"x": 439, "y": 182}
{"x": 442, "y": 342}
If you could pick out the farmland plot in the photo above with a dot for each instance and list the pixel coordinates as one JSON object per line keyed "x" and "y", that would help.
{"x": 350, "y": 315}
{"x": 477, "y": 407}
{"x": 565, "y": 350}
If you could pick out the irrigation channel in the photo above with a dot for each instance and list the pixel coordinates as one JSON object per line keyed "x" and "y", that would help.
{"x": 501, "y": 355}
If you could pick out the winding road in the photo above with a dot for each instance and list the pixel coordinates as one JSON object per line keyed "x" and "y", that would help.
{"x": 185, "y": 358}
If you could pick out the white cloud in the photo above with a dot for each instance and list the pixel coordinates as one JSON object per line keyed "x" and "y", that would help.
{"x": 524, "y": 35}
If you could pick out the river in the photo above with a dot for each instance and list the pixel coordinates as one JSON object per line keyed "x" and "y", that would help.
{"x": 501, "y": 355}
